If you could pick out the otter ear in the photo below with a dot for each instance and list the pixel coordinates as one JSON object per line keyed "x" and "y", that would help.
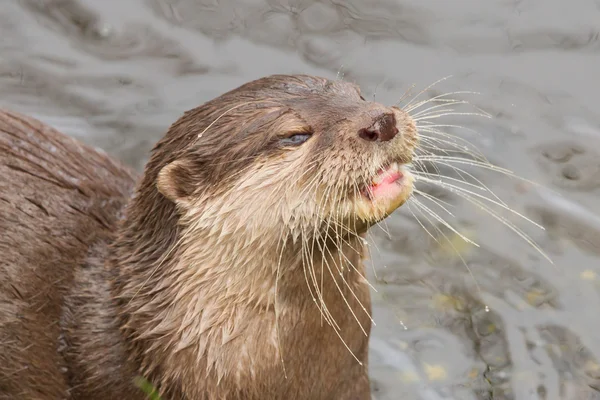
{"x": 175, "y": 182}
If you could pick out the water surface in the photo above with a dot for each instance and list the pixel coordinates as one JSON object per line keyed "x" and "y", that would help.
{"x": 454, "y": 321}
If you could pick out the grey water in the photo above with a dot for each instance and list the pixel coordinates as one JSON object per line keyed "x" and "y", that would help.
{"x": 453, "y": 320}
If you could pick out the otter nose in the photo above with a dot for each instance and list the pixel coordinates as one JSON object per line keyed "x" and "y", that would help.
{"x": 383, "y": 129}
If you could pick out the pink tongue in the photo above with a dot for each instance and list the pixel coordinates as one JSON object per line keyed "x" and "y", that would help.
{"x": 391, "y": 178}
{"x": 388, "y": 180}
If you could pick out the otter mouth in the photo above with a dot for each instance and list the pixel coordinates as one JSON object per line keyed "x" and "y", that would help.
{"x": 389, "y": 189}
{"x": 388, "y": 183}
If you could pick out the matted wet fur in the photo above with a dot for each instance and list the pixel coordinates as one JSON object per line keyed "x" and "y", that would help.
{"x": 234, "y": 271}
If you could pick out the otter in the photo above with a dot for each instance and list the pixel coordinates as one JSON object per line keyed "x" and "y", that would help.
{"x": 232, "y": 269}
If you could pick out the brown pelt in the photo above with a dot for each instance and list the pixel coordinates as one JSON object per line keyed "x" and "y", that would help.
{"x": 233, "y": 270}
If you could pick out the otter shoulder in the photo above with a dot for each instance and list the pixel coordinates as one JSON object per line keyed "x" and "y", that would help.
{"x": 51, "y": 185}
{"x": 58, "y": 198}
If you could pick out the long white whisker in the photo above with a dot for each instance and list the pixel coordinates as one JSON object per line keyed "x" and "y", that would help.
{"x": 420, "y": 205}
{"x": 426, "y": 89}
{"x": 456, "y": 189}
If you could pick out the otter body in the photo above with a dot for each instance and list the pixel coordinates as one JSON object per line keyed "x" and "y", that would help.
{"x": 59, "y": 203}
{"x": 231, "y": 270}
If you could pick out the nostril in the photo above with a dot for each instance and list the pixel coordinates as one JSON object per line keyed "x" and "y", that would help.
{"x": 389, "y": 133}
{"x": 383, "y": 129}
{"x": 370, "y": 135}
{"x": 388, "y": 127}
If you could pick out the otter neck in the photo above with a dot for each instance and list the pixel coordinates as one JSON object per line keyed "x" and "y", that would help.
{"x": 184, "y": 290}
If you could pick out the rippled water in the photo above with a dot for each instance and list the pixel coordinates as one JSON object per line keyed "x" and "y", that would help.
{"x": 503, "y": 324}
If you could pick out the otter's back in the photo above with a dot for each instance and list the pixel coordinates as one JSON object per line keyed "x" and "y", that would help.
{"x": 57, "y": 199}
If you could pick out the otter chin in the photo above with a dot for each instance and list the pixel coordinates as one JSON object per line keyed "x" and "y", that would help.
{"x": 232, "y": 268}
{"x": 390, "y": 189}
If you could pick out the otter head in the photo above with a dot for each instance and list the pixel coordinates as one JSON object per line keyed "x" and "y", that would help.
{"x": 288, "y": 156}
{"x": 214, "y": 242}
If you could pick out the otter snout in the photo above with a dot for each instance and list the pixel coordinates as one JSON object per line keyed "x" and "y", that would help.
{"x": 383, "y": 129}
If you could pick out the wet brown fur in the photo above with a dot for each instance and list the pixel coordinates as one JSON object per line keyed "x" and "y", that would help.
{"x": 177, "y": 282}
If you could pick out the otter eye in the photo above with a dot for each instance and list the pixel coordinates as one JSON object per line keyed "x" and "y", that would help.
{"x": 295, "y": 140}
{"x": 362, "y": 98}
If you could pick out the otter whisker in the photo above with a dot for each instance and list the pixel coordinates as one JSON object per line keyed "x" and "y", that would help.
{"x": 337, "y": 332}
{"x": 454, "y": 147}
{"x": 357, "y": 194}
{"x": 275, "y": 306}
{"x": 347, "y": 231}
{"x": 445, "y": 106}
{"x": 437, "y": 99}
{"x": 406, "y": 94}
{"x": 384, "y": 229}
{"x": 434, "y": 200}
{"x": 422, "y": 207}
{"x": 440, "y": 176}
{"x": 309, "y": 272}
{"x": 312, "y": 184}
{"x": 444, "y": 114}
{"x": 438, "y": 104}
{"x": 453, "y": 187}
{"x": 431, "y": 126}
{"x": 364, "y": 242}
{"x": 370, "y": 241}
{"x": 336, "y": 242}
{"x": 352, "y": 234}
{"x": 452, "y": 140}
{"x": 475, "y": 163}
{"x": 324, "y": 311}
{"x": 426, "y": 148}
{"x": 467, "y": 195}
{"x": 326, "y": 201}
{"x": 378, "y": 223}
{"x": 428, "y": 155}
{"x": 345, "y": 242}
{"x": 316, "y": 237}
{"x": 376, "y": 87}
{"x": 460, "y": 172}
{"x": 419, "y": 221}
{"x": 447, "y": 161}
{"x": 417, "y": 159}
{"x": 333, "y": 277}
{"x": 421, "y": 166}
{"x": 424, "y": 90}
{"x": 443, "y": 222}
{"x": 457, "y": 101}
{"x": 432, "y": 151}
{"x": 344, "y": 230}
{"x": 307, "y": 259}
{"x": 434, "y": 127}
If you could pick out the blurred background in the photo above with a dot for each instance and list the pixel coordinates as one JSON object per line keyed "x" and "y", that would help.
{"x": 454, "y": 321}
